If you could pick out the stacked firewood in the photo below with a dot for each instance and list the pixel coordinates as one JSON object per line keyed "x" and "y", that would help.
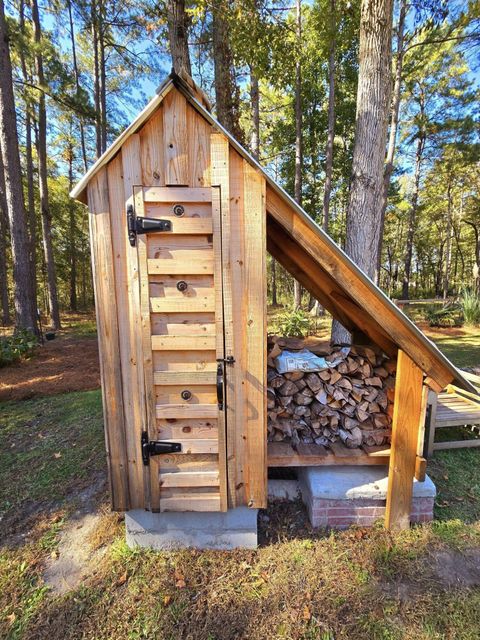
{"x": 349, "y": 401}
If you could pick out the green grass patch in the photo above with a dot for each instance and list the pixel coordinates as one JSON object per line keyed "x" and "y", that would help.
{"x": 48, "y": 447}
{"x": 455, "y": 474}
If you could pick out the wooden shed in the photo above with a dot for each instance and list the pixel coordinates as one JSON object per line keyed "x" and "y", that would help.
{"x": 181, "y": 219}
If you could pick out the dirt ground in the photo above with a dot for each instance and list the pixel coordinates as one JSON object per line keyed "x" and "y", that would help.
{"x": 68, "y": 363}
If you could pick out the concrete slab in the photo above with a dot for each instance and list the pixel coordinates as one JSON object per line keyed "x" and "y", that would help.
{"x": 236, "y": 528}
{"x": 283, "y": 490}
{"x": 353, "y": 483}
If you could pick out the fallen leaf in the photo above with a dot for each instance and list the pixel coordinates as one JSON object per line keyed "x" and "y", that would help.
{"x": 11, "y": 618}
{"x": 265, "y": 576}
{"x": 167, "y": 600}
{"x": 57, "y": 455}
{"x": 307, "y": 614}
{"x": 122, "y": 579}
{"x": 54, "y": 555}
{"x": 180, "y": 584}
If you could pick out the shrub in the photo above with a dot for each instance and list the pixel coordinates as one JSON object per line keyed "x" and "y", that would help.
{"x": 20, "y": 345}
{"x": 446, "y": 316}
{"x": 294, "y": 323}
{"x": 470, "y": 305}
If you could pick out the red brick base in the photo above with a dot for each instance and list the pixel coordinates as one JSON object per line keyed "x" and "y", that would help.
{"x": 339, "y": 514}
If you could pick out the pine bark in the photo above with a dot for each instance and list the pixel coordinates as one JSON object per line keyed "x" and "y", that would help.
{"x": 43, "y": 176}
{"x": 331, "y": 120}
{"x": 297, "y": 291}
{"x": 373, "y": 103}
{"x": 4, "y": 299}
{"x": 413, "y": 217}
{"x": 448, "y": 240}
{"x": 178, "y": 27}
{"x": 394, "y": 122}
{"x": 255, "y": 105}
{"x": 25, "y": 309}
{"x": 77, "y": 82}
{"x": 226, "y": 90}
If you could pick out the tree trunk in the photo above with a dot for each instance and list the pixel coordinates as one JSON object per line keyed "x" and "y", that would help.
{"x": 25, "y": 309}
{"x": 255, "y": 102}
{"x": 373, "y": 103}
{"x": 77, "y": 82}
{"x": 72, "y": 231}
{"x": 394, "y": 121}
{"x": 178, "y": 26}
{"x": 96, "y": 79}
{"x": 297, "y": 291}
{"x": 103, "y": 78}
{"x": 30, "y": 208}
{"x": 226, "y": 89}
{"x": 4, "y": 301}
{"x": 448, "y": 240}
{"x": 331, "y": 120}
{"x": 274, "y": 283}
{"x": 476, "y": 267}
{"x": 412, "y": 217}
{"x": 43, "y": 176}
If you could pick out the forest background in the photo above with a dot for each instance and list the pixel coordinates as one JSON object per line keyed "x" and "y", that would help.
{"x": 283, "y": 77}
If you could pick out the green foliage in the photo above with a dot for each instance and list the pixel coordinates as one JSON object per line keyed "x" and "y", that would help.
{"x": 445, "y": 316}
{"x": 294, "y": 323}
{"x": 20, "y": 345}
{"x": 470, "y": 304}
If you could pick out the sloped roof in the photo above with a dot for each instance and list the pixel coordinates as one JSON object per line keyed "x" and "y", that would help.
{"x": 409, "y": 337}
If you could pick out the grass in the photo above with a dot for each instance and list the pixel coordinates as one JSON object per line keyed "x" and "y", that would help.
{"x": 48, "y": 447}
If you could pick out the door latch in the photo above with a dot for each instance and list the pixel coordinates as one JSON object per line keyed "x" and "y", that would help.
{"x": 137, "y": 225}
{"x": 156, "y": 448}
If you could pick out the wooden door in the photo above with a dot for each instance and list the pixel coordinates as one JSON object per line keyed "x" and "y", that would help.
{"x": 181, "y": 324}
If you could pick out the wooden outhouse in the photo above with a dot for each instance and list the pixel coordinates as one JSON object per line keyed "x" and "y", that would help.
{"x": 181, "y": 219}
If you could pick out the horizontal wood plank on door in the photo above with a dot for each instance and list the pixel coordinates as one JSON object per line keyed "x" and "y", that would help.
{"x": 200, "y": 394}
{"x": 177, "y": 195}
{"x": 187, "y": 411}
{"x": 187, "y": 429}
{"x": 184, "y": 377}
{"x": 208, "y": 502}
{"x": 185, "y": 360}
{"x": 170, "y": 305}
{"x": 207, "y": 445}
{"x": 181, "y": 343}
{"x": 190, "y": 210}
{"x": 167, "y": 286}
{"x": 182, "y": 226}
{"x": 202, "y": 265}
{"x": 189, "y": 462}
{"x": 189, "y": 479}
{"x": 183, "y": 324}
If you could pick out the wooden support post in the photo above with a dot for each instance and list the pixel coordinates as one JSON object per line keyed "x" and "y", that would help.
{"x": 407, "y": 417}
{"x": 432, "y": 401}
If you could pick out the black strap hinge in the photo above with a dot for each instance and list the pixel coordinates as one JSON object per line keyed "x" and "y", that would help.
{"x": 137, "y": 225}
{"x": 156, "y": 448}
{"x": 227, "y": 360}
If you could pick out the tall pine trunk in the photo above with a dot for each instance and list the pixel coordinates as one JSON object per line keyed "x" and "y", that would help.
{"x": 255, "y": 106}
{"x": 394, "y": 122}
{"x": 448, "y": 239}
{"x": 4, "y": 301}
{"x": 331, "y": 120}
{"x": 43, "y": 175}
{"x": 297, "y": 290}
{"x": 226, "y": 90}
{"x": 72, "y": 230}
{"x": 77, "y": 82}
{"x": 412, "y": 218}
{"x": 29, "y": 169}
{"x": 373, "y": 104}
{"x": 178, "y": 26}
{"x": 25, "y": 308}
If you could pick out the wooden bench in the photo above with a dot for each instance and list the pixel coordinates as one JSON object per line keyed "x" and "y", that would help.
{"x": 454, "y": 407}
